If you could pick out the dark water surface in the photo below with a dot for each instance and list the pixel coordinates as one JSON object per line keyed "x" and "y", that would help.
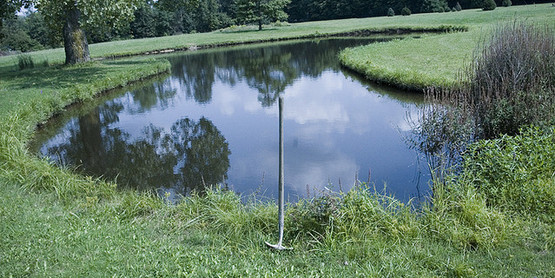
{"x": 215, "y": 120}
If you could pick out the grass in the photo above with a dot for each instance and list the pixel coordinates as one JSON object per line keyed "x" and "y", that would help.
{"x": 437, "y": 61}
{"x": 56, "y": 223}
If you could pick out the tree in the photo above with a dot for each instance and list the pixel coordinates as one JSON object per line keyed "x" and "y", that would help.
{"x": 14, "y": 36}
{"x": 506, "y": 3}
{"x": 434, "y": 6}
{"x": 8, "y": 8}
{"x": 247, "y": 11}
{"x": 390, "y": 12}
{"x": 72, "y": 17}
{"x": 489, "y": 5}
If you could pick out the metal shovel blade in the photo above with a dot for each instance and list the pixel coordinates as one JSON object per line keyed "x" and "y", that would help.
{"x": 278, "y": 246}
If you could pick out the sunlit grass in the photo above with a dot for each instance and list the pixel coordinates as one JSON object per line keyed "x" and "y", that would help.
{"x": 437, "y": 60}
{"x": 474, "y": 19}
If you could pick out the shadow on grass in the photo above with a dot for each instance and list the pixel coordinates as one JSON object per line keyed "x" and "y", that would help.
{"x": 60, "y": 76}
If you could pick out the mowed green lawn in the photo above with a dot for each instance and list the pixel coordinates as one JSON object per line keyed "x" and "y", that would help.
{"x": 434, "y": 60}
{"x": 477, "y": 20}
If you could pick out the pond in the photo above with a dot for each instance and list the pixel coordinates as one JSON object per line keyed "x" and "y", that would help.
{"x": 214, "y": 121}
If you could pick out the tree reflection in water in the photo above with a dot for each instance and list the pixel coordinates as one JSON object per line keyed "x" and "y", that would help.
{"x": 194, "y": 153}
{"x": 163, "y": 134}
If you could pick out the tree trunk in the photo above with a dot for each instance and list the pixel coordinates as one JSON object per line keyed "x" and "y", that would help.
{"x": 75, "y": 41}
{"x": 259, "y": 15}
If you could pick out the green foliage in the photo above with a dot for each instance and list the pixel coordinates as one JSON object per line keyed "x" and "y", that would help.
{"x": 14, "y": 36}
{"x": 260, "y": 11}
{"x": 459, "y": 215}
{"x": 366, "y": 213}
{"x": 390, "y": 12}
{"x": 25, "y": 62}
{"x": 489, "y": 5}
{"x": 516, "y": 173}
{"x": 434, "y": 6}
{"x": 313, "y": 217}
{"x": 9, "y": 7}
{"x": 506, "y": 3}
{"x": 406, "y": 11}
{"x": 96, "y": 15}
{"x": 458, "y": 7}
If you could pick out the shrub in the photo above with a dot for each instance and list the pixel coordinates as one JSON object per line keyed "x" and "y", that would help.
{"x": 489, "y": 5}
{"x": 458, "y": 7}
{"x": 390, "y": 12}
{"x": 506, "y": 3}
{"x": 434, "y": 6}
{"x": 406, "y": 11}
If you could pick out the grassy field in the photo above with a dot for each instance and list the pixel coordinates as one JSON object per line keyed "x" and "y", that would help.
{"x": 56, "y": 223}
{"x": 437, "y": 60}
{"x": 475, "y": 19}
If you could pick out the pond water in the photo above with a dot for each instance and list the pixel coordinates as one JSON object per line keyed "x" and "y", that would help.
{"x": 214, "y": 120}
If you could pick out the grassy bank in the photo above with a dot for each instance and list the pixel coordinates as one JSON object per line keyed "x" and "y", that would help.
{"x": 56, "y": 223}
{"x": 436, "y": 60}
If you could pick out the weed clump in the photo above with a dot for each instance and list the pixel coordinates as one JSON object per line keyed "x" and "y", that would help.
{"x": 460, "y": 215}
{"x": 25, "y": 62}
{"x": 511, "y": 83}
{"x": 516, "y": 173}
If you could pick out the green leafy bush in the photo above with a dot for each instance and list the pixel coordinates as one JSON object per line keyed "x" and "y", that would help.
{"x": 516, "y": 173}
{"x": 406, "y": 11}
{"x": 458, "y": 7}
{"x": 506, "y": 3}
{"x": 489, "y": 5}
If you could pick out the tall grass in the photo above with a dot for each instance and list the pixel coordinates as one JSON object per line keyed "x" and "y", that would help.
{"x": 509, "y": 85}
{"x": 512, "y": 80}
{"x": 25, "y": 62}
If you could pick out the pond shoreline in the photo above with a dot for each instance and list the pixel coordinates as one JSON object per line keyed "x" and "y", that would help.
{"x": 317, "y": 35}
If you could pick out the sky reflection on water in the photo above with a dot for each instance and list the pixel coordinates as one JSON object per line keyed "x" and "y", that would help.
{"x": 215, "y": 118}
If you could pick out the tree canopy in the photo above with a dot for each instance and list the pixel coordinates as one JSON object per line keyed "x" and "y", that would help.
{"x": 260, "y": 11}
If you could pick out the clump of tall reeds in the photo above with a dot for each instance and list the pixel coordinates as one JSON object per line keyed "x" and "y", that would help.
{"x": 511, "y": 82}
{"x": 25, "y": 61}
{"x": 509, "y": 85}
